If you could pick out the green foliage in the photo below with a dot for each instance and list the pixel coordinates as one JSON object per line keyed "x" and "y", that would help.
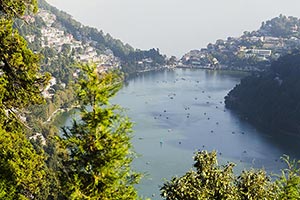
{"x": 255, "y": 184}
{"x": 271, "y": 99}
{"x": 289, "y": 181}
{"x": 13, "y": 8}
{"x": 20, "y": 81}
{"x": 97, "y": 165}
{"x": 211, "y": 181}
{"x": 22, "y": 170}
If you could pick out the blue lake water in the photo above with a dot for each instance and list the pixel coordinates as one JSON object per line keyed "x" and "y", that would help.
{"x": 180, "y": 111}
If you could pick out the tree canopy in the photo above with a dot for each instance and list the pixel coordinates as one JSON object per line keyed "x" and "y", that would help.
{"x": 13, "y": 8}
{"x": 211, "y": 181}
{"x": 270, "y": 99}
{"x": 21, "y": 82}
{"x": 22, "y": 168}
{"x": 97, "y": 165}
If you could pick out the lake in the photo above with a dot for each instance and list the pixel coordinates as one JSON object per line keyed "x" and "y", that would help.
{"x": 178, "y": 112}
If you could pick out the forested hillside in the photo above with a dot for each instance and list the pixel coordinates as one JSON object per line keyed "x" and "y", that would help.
{"x": 271, "y": 99}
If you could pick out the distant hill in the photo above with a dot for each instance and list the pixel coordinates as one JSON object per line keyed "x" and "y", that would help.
{"x": 271, "y": 99}
{"x": 253, "y": 51}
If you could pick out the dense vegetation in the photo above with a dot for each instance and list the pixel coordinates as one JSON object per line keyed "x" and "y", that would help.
{"x": 97, "y": 162}
{"x": 211, "y": 181}
{"x": 271, "y": 99}
{"x": 281, "y": 26}
{"x": 90, "y": 160}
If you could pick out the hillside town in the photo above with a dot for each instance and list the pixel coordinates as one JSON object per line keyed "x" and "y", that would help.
{"x": 251, "y": 52}
{"x": 55, "y": 38}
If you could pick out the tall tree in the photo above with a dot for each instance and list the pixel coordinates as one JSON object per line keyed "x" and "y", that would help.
{"x": 20, "y": 81}
{"x": 22, "y": 169}
{"x": 97, "y": 165}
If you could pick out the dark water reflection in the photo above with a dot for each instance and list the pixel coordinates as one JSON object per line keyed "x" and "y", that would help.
{"x": 181, "y": 111}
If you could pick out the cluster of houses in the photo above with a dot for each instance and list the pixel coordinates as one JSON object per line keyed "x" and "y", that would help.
{"x": 56, "y": 38}
{"x": 260, "y": 48}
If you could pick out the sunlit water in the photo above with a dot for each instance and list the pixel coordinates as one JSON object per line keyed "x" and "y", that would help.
{"x": 180, "y": 111}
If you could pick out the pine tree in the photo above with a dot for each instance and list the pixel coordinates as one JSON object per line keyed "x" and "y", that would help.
{"x": 97, "y": 165}
{"x": 22, "y": 169}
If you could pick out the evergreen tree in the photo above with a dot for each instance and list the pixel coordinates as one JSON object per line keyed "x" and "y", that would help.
{"x": 13, "y": 8}
{"x": 20, "y": 82}
{"x": 97, "y": 165}
{"x": 22, "y": 169}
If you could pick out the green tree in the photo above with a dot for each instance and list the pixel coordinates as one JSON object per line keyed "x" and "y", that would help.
{"x": 12, "y": 8}
{"x": 97, "y": 165}
{"x": 289, "y": 181}
{"x": 20, "y": 81}
{"x": 22, "y": 169}
{"x": 255, "y": 184}
{"x": 210, "y": 181}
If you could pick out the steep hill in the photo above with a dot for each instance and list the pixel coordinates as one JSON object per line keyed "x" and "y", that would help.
{"x": 271, "y": 99}
{"x": 62, "y": 43}
{"x": 52, "y": 32}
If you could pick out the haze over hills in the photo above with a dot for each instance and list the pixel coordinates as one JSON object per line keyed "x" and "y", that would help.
{"x": 176, "y": 26}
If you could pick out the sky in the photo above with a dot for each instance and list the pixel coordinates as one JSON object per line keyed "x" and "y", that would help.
{"x": 175, "y": 26}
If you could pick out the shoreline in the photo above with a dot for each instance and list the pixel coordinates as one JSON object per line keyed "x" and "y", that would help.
{"x": 221, "y": 68}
